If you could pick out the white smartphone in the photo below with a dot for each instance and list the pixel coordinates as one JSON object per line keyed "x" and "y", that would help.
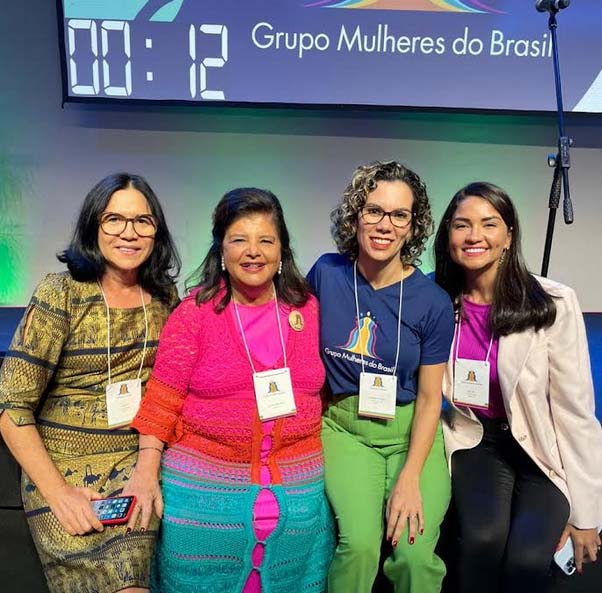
{"x": 565, "y": 557}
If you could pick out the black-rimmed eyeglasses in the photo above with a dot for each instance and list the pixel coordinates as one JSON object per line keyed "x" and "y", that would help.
{"x": 145, "y": 225}
{"x": 400, "y": 218}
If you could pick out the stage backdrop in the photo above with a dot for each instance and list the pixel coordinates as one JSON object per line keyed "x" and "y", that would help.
{"x": 51, "y": 155}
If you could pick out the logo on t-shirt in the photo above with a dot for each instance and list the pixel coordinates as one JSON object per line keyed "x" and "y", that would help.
{"x": 362, "y": 338}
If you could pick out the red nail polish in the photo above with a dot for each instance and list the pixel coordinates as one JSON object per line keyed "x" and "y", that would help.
{"x": 128, "y": 530}
{"x": 421, "y": 532}
{"x": 394, "y": 542}
{"x": 142, "y": 529}
{"x": 411, "y": 541}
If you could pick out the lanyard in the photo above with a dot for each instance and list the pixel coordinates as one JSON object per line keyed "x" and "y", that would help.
{"x": 104, "y": 298}
{"x": 457, "y": 339}
{"x": 357, "y": 311}
{"x": 244, "y": 339}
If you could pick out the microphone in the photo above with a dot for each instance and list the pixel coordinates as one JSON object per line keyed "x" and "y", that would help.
{"x": 551, "y": 5}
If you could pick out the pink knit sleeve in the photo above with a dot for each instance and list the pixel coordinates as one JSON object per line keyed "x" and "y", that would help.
{"x": 161, "y": 406}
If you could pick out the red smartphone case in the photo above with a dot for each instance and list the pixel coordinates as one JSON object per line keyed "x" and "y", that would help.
{"x": 115, "y": 510}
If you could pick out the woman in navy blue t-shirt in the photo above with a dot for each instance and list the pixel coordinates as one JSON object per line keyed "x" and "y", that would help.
{"x": 386, "y": 331}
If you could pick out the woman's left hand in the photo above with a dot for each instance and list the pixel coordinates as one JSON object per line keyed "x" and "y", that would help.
{"x": 404, "y": 508}
{"x": 147, "y": 490}
{"x": 586, "y": 543}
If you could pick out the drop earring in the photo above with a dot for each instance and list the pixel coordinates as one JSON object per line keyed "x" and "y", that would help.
{"x": 223, "y": 264}
{"x": 502, "y": 257}
{"x": 280, "y": 268}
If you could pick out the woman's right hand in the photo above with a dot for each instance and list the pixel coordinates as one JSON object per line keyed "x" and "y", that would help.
{"x": 586, "y": 544}
{"x": 71, "y": 506}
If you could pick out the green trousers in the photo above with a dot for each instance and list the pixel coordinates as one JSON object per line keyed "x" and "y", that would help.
{"x": 363, "y": 458}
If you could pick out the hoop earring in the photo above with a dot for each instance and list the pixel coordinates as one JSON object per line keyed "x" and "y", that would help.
{"x": 280, "y": 268}
{"x": 223, "y": 264}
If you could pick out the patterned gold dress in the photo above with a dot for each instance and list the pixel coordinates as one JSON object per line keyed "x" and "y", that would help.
{"x": 55, "y": 376}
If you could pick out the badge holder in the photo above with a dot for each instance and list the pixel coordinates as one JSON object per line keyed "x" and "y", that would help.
{"x": 471, "y": 378}
{"x": 377, "y": 392}
{"x": 123, "y": 397}
{"x": 274, "y": 394}
{"x": 378, "y": 395}
{"x": 123, "y": 401}
{"x": 273, "y": 388}
{"x": 471, "y": 383}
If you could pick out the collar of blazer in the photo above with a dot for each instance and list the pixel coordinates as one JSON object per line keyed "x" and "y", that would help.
{"x": 513, "y": 353}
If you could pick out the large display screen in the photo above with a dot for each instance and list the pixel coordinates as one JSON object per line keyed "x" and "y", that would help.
{"x": 466, "y": 54}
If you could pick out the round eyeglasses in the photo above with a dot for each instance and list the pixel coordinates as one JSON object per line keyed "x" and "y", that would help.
{"x": 145, "y": 225}
{"x": 373, "y": 215}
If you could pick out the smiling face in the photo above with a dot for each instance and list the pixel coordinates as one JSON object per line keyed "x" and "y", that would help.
{"x": 478, "y": 236}
{"x": 126, "y": 252}
{"x": 381, "y": 242}
{"x": 252, "y": 253}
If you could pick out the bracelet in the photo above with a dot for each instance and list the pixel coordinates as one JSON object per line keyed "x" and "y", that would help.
{"x": 154, "y": 448}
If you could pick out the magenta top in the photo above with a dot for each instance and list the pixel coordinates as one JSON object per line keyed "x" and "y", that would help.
{"x": 262, "y": 335}
{"x": 261, "y": 330}
{"x": 474, "y": 342}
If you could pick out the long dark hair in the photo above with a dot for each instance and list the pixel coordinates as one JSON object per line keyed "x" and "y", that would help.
{"x": 519, "y": 302}
{"x": 291, "y": 287}
{"x": 84, "y": 258}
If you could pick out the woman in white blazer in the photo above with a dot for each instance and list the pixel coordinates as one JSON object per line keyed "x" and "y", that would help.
{"x": 523, "y": 444}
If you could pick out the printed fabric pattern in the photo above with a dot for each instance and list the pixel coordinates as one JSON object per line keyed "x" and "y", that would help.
{"x": 54, "y": 375}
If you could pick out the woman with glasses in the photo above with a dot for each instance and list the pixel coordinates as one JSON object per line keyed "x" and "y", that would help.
{"x": 385, "y": 336}
{"x": 71, "y": 384}
{"x": 525, "y": 447}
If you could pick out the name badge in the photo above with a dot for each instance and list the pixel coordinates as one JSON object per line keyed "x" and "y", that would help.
{"x": 471, "y": 383}
{"x": 378, "y": 395}
{"x": 274, "y": 394}
{"x": 123, "y": 401}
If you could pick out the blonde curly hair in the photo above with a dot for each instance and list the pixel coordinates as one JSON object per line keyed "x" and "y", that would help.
{"x": 365, "y": 178}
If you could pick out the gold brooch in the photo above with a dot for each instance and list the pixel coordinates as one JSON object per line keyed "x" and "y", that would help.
{"x": 295, "y": 320}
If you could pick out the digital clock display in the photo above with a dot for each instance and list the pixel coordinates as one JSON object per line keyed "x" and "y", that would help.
{"x": 470, "y": 54}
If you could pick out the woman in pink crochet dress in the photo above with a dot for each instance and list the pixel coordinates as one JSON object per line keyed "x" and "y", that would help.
{"x": 235, "y": 398}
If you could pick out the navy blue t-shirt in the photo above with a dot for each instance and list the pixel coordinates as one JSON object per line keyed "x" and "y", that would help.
{"x": 427, "y": 326}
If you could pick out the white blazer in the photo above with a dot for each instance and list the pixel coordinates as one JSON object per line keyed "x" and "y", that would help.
{"x": 546, "y": 383}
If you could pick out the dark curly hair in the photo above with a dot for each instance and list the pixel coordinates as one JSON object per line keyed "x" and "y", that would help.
{"x": 364, "y": 180}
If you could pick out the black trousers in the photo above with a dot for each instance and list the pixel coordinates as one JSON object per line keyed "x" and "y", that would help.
{"x": 510, "y": 514}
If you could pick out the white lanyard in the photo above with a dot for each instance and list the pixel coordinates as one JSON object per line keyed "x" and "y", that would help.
{"x": 104, "y": 298}
{"x": 471, "y": 377}
{"x": 273, "y": 388}
{"x": 244, "y": 339}
{"x": 457, "y": 338}
{"x": 357, "y": 311}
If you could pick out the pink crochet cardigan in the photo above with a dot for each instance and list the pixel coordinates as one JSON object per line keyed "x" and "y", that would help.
{"x": 201, "y": 396}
